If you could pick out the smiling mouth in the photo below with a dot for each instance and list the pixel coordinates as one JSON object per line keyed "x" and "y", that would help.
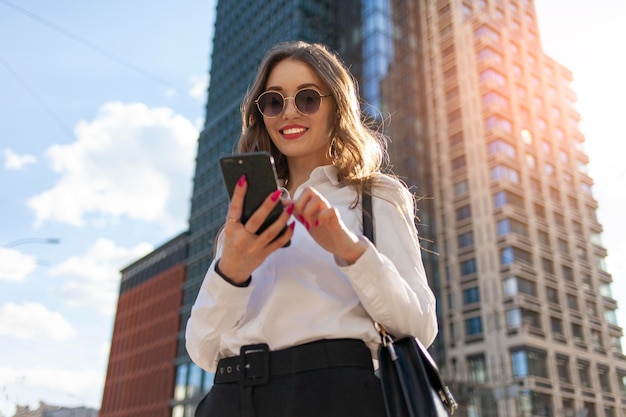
{"x": 293, "y": 130}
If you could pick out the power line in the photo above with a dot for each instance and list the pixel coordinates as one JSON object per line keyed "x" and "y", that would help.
{"x": 90, "y": 45}
{"x": 39, "y": 100}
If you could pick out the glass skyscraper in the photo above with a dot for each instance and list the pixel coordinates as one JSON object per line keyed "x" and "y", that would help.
{"x": 483, "y": 128}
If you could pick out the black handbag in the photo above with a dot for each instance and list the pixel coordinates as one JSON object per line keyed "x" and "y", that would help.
{"x": 410, "y": 379}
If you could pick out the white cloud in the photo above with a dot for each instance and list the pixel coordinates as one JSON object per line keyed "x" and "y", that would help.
{"x": 15, "y": 266}
{"x": 28, "y": 386}
{"x": 130, "y": 161}
{"x": 15, "y": 161}
{"x": 33, "y": 321}
{"x": 199, "y": 86}
{"x": 93, "y": 278}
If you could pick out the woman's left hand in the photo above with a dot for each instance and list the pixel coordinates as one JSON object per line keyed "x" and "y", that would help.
{"x": 325, "y": 226}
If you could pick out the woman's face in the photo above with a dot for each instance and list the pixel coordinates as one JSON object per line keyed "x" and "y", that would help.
{"x": 300, "y": 136}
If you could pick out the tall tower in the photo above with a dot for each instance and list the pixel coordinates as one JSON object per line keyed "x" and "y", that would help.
{"x": 483, "y": 127}
{"x": 528, "y": 322}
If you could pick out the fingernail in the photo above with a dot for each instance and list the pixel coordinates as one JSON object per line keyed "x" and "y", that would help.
{"x": 242, "y": 180}
{"x": 317, "y": 223}
{"x": 301, "y": 218}
{"x": 306, "y": 225}
{"x": 290, "y": 208}
{"x": 292, "y": 225}
{"x": 276, "y": 195}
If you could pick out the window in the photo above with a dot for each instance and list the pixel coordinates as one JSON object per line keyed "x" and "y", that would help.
{"x": 461, "y": 187}
{"x": 540, "y": 211}
{"x": 529, "y": 362}
{"x": 497, "y": 122}
{"x": 456, "y": 139}
{"x": 458, "y": 163}
{"x": 557, "y": 326}
{"x": 454, "y": 116}
{"x": 563, "y": 246}
{"x": 568, "y": 273}
{"x": 543, "y": 237}
{"x": 502, "y": 172}
{"x": 552, "y": 295}
{"x": 531, "y": 161}
{"x": 463, "y": 213}
{"x": 471, "y": 296}
{"x": 577, "y": 332}
{"x": 181, "y": 382}
{"x": 477, "y": 369}
{"x": 562, "y": 366}
{"x": 596, "y": 339}
{"x": 583, "y": 374}
{"x": 489, "y": 54}
{"x": 510, "y": 255}
{"x": 487, "y": 32}
{"x": 527, "y": 137}
{"x": 502, "y": 198}
{"x": 465, "y": 239}
{"x": 514, "y": 285}
{"x": 572, "y": 302}
{"x": 547, "y": 265}
{"x": 507, "y": 226}
{"x": 473, "y": 326}
{"x": 603, "y": 378}
{"x": 468, "y": 267}
{"x": 610, "y": 317}
{"x": 503, "y": 147}
{"x": 492, "y": 76}
{"x": 494, "y": 99}
{"x": 592, "y": 308}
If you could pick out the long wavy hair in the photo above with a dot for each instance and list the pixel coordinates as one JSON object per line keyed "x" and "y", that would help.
{"x": 357, "y": 150}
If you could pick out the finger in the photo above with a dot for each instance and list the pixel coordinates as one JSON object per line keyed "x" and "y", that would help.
{"x": 260, "y": 214}
{"x": 277, "y": 227}
{"x": 235, "y": 209}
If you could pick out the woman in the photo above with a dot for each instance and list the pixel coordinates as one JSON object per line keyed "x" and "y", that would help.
{"x": 289, "y": 330}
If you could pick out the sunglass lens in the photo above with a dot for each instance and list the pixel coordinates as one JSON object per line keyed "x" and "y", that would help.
{"x": 308, "y": 101}
{"x": 271, "y": 104}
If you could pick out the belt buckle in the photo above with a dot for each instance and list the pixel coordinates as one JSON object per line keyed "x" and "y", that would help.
{"x": 255, "y": 364}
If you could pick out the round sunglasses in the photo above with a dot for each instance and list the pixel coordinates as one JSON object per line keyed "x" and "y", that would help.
{"x": 272, "y": 103}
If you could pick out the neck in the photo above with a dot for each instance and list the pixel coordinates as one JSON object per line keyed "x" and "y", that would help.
{"x": 300, "y": 171}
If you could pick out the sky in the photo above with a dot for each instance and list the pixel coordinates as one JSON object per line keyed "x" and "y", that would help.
{"x": 101, "y": 104}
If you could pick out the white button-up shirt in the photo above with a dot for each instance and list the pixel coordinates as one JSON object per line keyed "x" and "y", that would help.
{"x": 302, "y": 293}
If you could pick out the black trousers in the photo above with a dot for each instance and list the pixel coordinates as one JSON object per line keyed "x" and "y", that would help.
{"x": 332, "y": 390}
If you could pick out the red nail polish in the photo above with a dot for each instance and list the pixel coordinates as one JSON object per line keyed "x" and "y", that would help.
{"x": 290, "y": 208}
{"x": 292, "y": 225}
{"x": 301, "y": 218}
{"x": 317, "y": 223}
{"x": 241, "y": 181}
{"x": 306, "y": 225}
{"x": 276, "y": 195}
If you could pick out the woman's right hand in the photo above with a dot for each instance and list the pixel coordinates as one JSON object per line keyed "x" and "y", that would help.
{"x": 242, "y": 249}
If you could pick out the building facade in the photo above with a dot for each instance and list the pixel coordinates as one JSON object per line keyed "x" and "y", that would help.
{"x": 484, "y": 129}
{"x": 140, "y": 374}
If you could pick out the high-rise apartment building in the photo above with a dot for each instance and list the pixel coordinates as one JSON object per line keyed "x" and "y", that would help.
{"x": 526, "y": 308}
{"x": 483, "y": 126}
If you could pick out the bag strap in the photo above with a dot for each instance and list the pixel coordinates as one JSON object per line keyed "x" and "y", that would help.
{"x": 387, "y": 339}
{"x": 368, "y": 215}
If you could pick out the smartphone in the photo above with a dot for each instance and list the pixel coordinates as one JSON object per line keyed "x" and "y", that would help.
{"x": 260, "y": 172}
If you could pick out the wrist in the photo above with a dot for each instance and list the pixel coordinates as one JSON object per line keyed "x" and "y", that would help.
{"x": 353, "y": 252}
{"x": 233, "y": 281}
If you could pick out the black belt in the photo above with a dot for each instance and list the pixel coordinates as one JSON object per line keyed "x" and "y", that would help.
{"x": 256, "y": 364}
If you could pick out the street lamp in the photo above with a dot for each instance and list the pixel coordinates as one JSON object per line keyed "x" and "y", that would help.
{"x": 23, "y": 241}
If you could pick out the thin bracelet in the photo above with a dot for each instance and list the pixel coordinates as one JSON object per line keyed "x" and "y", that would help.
{"x": 230, "y": 281}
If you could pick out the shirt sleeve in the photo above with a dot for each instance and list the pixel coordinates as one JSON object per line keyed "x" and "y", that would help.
{"x": 218, "y": 308}
{"x": 390, "y": 279}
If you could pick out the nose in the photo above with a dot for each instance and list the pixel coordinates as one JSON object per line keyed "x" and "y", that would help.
{"x": 290, "y": 109}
